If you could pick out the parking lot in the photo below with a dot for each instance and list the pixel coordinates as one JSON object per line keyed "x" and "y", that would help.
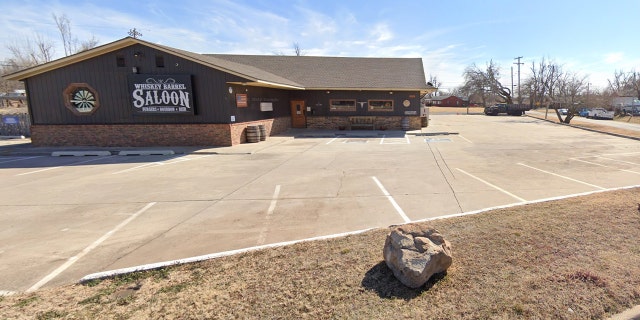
{"x": 66, "y": 217}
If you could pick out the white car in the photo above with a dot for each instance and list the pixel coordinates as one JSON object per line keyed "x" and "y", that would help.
{"x": 600, "y": 113}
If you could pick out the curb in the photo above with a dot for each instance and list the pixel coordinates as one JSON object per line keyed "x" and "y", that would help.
{"x": 630, "y": 314}
{"x": 95, "y": 153}
{"x": 158, "y": 265}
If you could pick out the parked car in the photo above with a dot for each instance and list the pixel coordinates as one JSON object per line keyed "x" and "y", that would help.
{"x": 600, "y": 113}
{"x": 583, "y": 112}
{"x": 563, "y": 111}
{"x": 631, "y": 110}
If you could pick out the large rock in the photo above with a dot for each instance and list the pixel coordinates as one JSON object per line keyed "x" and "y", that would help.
{"x": 414, "y": 253}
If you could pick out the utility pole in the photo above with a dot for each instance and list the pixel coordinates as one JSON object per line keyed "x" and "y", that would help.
{"x": 588, "y": 85}
{"x": 519, "y": 63}
{"x": 511, "y": 83}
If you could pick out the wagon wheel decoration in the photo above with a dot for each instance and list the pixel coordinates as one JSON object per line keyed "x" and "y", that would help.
{"x": 81, "y": 99}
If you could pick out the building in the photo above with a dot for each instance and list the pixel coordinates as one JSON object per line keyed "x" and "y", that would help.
{"x": 136, "y": 93}
{"x": 446, "y": 101}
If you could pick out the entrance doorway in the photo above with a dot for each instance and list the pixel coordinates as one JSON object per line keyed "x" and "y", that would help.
{"x": 298, "y": 118}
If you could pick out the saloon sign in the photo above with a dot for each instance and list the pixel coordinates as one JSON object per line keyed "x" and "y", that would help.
{"x": 161, "y": 94}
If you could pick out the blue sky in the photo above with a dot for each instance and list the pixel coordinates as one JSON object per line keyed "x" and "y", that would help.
{"x": 591, "y": 38}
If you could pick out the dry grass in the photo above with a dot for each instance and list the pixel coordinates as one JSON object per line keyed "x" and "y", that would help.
{"x": 577, "y": 121}
{"x": 456, "y": 110}
{"x": 12, "y": 107}
{"x": 576, "y": 258}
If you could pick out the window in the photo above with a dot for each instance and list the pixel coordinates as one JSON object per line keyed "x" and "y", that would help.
{"x": 120, "y": 60}
{"x": 159, "y": 61}
{"x": 380, "y": 105}
{"x": 342, "y": 105}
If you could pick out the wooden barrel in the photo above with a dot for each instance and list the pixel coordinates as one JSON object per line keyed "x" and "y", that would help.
{"x": 253, "y": 134}
{"x": 263, "y": 132}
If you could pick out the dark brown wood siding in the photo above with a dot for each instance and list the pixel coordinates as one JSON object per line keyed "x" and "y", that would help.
{"x": 212, "y": 101}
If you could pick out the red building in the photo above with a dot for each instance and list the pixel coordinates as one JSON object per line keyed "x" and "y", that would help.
{"x": 446, "y": 101}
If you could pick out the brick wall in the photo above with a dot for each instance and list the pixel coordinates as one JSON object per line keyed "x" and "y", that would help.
{"x": 272, "y": 126}
{"x": 149, "y": 135}
{"x": 140, "y": 135}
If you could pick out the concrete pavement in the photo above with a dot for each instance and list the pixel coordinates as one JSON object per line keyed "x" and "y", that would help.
{"x": 206, "y": 200}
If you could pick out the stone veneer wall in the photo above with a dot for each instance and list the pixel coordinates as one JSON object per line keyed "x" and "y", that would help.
{"x": 389, "y": 123}
{"x": 150, "y": 135}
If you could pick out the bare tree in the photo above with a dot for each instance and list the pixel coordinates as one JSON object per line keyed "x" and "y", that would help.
{"x": 617, "y": 84}
{"x": 570, "y": 87}
{"x": 543, "y": 83}
{"x": 633, "y": 82}
{"x": 625, "y": 83}
{"x": 87, "y": 44}
{"x": 297, "y": 50}
{"x": 434, "y": 82}
{"x": 69, "y": 42}
{"x": 29, "y": 53}
{"x": 64, "y": 27}
{"x": 485, "y": 83}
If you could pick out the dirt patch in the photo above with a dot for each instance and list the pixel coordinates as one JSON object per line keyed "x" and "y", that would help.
{"x": 576, "y": 258}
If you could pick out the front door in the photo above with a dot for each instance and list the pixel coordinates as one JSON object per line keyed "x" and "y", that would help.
{"x": 298, "y": 119}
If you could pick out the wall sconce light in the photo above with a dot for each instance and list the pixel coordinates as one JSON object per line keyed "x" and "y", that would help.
{"x": 328, "y": 91}
{"x": 390, "y": 92}
{"x": 134, "y": 69}
{"x": 137, "y": 54}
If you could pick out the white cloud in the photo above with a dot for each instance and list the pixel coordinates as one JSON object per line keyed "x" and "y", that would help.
{"x": 381, "y": 32}
{"x": 613, "y": 57}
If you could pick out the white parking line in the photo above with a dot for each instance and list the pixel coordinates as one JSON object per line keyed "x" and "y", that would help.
{"x": 332, "y": 140}
{"x": 492, "y": 186}
{"x": 619, "y": 154}
{"x": 393, "y": 202}
{"x": 71, "y": 164}
{"x": 465, "y": 138}
{"x": 20, "y": 159}
{"x": 6, "y": 293}
{"x": 86, "y": 250}
{"x": 406, "y": 137}
{"x": 627, "y": 162}
{"x": 563, "y": 177}
{"x": 602, "y": 165}
{"x": 161, "y": 163}
{"x": 272, "y": 207}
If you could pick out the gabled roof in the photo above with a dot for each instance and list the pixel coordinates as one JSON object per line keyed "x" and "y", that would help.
{"x": 293, "y": 72}
{"x": 340, "y": 72}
